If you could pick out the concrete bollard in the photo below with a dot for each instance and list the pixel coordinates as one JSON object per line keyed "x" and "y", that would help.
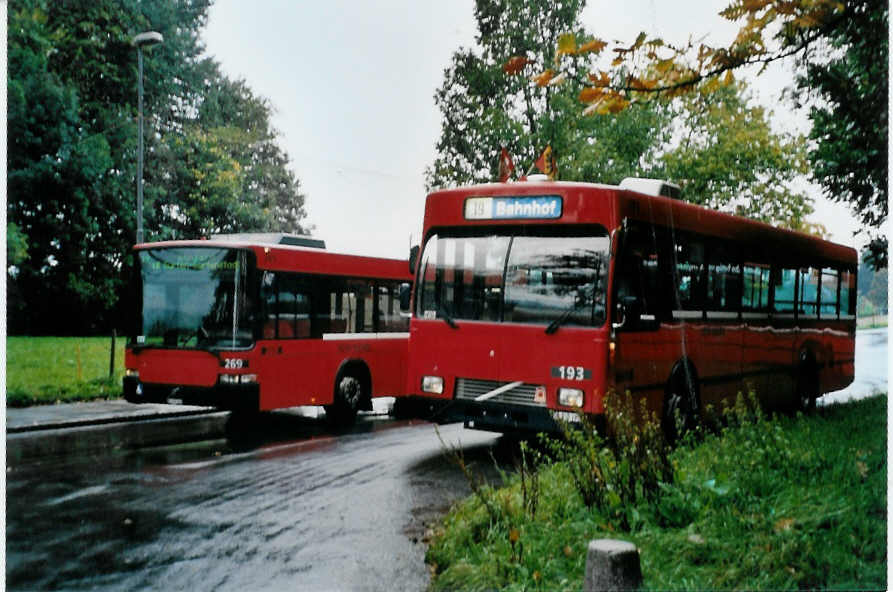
{"x": 612, "y": 565}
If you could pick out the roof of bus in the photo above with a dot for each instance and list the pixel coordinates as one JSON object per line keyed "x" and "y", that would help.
{"x": 305, "y": 259}
{"x": 581, "y": 205}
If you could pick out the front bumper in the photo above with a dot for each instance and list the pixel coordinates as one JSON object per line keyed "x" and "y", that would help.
{"x": 235, "y": 397}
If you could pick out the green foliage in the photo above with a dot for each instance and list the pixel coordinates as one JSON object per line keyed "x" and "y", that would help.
{"x": 871, "y": 289}
{"x": 760, "y": 503}
{"x": 16, "y": 245}
{"x": 212, "y": 163}
{"x": 46, "y": 370}
{"x": 849, "y": 81}
{"x": 718, "y": 147}
{"x": 616, "y": 474}
{"x": 484, "y": 108}
{"x": 728, "y": 158}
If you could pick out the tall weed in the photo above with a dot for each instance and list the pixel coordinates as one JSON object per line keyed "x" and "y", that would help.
{"x": 616, "y": 473}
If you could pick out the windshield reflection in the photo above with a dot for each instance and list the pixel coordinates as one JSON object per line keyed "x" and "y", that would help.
{"x": 195, "y": 298}
{"x": 518, "y": 279}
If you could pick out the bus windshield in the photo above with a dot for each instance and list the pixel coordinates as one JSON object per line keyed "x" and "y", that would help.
{"x": 195, "y": 298}
{"x": 515, "y": 277}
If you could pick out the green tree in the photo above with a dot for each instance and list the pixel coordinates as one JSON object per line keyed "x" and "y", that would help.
{"x": 72, "y": 152}
{"x": 728, "y": 158}
{"x": 722, "y": 151}
{"x": 849, "y": 81}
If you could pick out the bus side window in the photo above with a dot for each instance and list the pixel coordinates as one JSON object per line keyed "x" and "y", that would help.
{"x": 390, "y": 319}
{"x": 847, "y": 293}
{"x": 293, "y": 307}
{"x": 723, "y": 281}
{"x": 808, "y": 294}
{"x": 755, "y": 291}
{"x": 362, "y": 300}
{"x": 784, "y": 283}
{"x": 828, "y": 296}
{"x": 689, "y": 274}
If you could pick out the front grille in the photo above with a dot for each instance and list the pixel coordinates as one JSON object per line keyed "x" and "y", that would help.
{"x": 467, "y": 389}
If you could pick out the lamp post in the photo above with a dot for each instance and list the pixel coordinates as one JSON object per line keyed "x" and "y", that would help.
{"x": 146, "y": 39}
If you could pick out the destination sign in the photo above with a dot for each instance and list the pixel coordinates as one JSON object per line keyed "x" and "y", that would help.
{"x": 513, "y": 208}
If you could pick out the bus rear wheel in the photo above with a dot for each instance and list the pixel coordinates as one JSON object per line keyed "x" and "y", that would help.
{"x": 681, "y": 406}
{"x": 348, "y": 395}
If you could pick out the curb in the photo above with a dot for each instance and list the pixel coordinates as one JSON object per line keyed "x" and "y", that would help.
{"x": 112, "y": 435}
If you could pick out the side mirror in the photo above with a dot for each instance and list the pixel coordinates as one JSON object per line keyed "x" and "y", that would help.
{"x": 405, "y": 295}
{"x": 413, "y": 258}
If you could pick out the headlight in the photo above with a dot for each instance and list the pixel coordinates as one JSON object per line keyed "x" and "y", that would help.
{"x": 570, "y": 397}
{"x": 432, "y": 384}
{"x": 132, "y": 372}
{"x": 229, "y": 379}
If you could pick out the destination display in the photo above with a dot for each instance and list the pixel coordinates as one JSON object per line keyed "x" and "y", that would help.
{"x": 513, "y": 208}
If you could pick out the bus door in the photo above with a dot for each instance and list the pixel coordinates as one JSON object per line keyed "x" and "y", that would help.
{"x": 644, "y": 353}
{"x": 286, "y": 342}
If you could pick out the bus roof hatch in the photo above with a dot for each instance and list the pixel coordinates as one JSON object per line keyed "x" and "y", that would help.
{"x": 651, "y": 187}
{"x": 273, "y": 238}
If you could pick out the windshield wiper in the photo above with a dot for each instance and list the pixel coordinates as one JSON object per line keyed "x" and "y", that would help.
{"x": 577, "y": 305}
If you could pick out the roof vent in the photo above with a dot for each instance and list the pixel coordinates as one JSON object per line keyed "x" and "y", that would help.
{"x": 651, "y": 187}
{"x": 273, "y": 238}
{"x": 537, "y": 177}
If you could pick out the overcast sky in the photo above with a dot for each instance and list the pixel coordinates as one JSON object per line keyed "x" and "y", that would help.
{"x": 352, "y": 83}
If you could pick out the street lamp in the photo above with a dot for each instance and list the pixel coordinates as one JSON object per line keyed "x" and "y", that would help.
{"x": 146, "y": 39}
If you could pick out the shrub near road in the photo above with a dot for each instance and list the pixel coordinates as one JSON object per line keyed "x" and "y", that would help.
{"x": 781, "y": 503}
{"x": 41, "y": 370}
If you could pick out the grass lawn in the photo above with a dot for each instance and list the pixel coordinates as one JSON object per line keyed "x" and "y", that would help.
{"x": 42, "y": 370}
{"x": 780, "y": 503}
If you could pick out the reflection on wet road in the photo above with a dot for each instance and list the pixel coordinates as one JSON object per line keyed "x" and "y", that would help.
{"x": 872, "y": 359}
{"x": 316, "y": 511}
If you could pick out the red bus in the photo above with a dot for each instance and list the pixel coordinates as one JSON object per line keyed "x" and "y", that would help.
{"x": 532, "y": 300}
{"x": 254, "y": 323}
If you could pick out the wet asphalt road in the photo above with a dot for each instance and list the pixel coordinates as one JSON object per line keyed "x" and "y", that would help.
{"x": 290, "y": 507}
{"x": 287, "y": 505}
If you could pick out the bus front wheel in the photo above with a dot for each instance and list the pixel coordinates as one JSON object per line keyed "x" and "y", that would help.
{"x": 348, "y": 395}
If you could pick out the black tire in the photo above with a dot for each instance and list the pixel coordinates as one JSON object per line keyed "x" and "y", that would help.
{"x": 682, "y": 407}
{"x": 348, "y": 397}
{"x": 807, "y": 384}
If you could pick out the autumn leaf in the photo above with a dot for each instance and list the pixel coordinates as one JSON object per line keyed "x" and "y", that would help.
{"x": 600, "y": 79}
{"x": 591, "y": 94}
{"x": 514, "y": 535}
{"x": 594, "y": 46}
{"x": 515, "y": 64}
{"x": 544, "y": 78}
